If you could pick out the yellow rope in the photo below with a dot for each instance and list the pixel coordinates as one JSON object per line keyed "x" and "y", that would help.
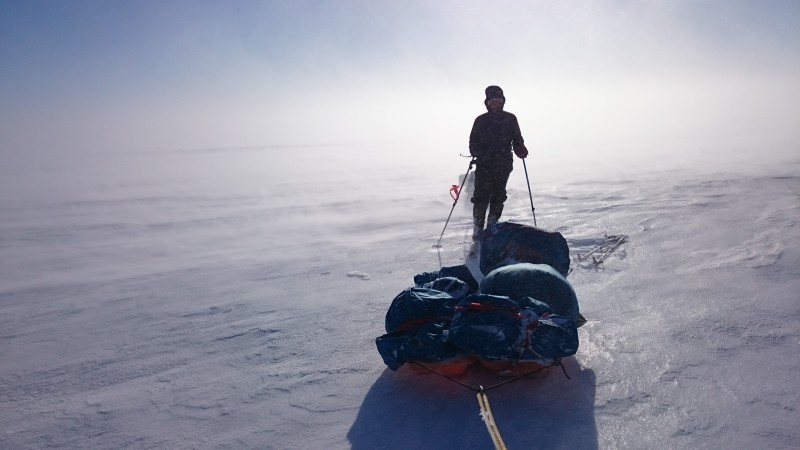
{"x": 488, "y": 419}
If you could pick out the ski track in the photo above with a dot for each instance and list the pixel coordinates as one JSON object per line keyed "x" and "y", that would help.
{"x": 153, "y": 321}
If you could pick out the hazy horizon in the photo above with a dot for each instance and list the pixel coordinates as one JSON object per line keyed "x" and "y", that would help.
{"x": 583, "y": 78}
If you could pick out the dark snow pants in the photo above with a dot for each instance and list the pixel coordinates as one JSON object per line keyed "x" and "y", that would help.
{"x": 490, "y": 192}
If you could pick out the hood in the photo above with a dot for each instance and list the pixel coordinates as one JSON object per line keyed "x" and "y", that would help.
{"x": 493, "y": 92}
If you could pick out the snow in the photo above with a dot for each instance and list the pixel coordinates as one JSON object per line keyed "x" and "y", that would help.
{"x": 230, "y": 299}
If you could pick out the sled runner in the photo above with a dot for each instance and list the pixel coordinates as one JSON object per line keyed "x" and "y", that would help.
{"x": 600, "y": 252}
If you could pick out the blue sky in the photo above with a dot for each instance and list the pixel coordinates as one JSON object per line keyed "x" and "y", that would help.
{"x": 126, "y": 75}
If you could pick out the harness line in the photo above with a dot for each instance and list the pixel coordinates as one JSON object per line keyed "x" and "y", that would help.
{"x": 483, "y": 399}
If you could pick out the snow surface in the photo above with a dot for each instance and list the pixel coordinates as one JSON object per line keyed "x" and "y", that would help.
{"x": 231, "y": 298}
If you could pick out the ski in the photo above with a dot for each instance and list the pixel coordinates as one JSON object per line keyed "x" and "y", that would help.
{"x": 600, "y": 252}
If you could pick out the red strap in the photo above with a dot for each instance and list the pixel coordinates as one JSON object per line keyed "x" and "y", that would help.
{"x": 484, "y": 307}
{"x": 454, "y": 192}
{"x": 411, "y": 324}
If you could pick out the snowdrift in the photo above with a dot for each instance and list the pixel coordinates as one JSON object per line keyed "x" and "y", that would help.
{"x": 523, "y": 314}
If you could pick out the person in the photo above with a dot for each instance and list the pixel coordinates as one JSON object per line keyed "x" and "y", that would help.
{"x": 495, "y": 134}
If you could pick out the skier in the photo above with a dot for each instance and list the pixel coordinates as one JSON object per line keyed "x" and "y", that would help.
{"x": 494, "y": 135}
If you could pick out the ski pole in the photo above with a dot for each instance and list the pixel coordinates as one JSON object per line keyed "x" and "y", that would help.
{"x": 530, "y": 195}
{"x": 455, "y": 200}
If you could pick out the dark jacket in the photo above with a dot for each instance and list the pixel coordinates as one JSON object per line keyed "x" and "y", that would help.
{"x": 492, "y": 137}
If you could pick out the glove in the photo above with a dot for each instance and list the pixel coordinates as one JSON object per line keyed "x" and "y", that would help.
{"x": 521, "y": 152}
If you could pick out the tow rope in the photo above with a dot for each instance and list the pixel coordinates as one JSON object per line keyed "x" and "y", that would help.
{"x": 488, "y": 419}
{"x": 483, "y": 399}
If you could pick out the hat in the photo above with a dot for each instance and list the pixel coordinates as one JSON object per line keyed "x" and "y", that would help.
{"x": 494, "y": 92}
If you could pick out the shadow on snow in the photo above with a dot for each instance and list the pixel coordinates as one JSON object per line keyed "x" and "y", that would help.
{"x": 413, "y": 408}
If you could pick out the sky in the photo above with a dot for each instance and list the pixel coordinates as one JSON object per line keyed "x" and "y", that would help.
{"x": 582, "y": 76}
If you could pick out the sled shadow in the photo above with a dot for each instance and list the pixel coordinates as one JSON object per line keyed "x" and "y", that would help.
{"x": 411, "y": 408}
